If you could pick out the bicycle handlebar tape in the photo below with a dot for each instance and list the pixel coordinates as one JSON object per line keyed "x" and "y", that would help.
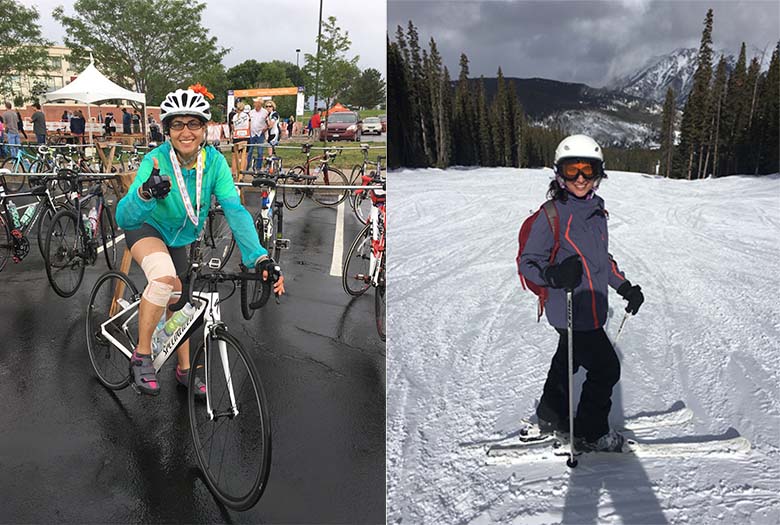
{"x": 274, "y": 272}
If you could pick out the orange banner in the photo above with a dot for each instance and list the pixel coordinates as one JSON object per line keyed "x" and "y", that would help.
{"x": 265, "y": 92}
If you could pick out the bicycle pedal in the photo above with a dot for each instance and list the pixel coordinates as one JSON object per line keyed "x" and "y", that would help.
{"x": 283, "y": 244}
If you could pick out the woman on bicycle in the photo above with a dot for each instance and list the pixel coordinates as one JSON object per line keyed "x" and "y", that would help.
{"x": 164, "y": 211}
{"x": 584, "y": 265}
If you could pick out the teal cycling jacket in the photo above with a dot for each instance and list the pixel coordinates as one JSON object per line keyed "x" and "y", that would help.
{"x": 169, "y": 217}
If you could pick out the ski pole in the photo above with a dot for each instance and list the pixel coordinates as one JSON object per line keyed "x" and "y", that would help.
{"x": 571, "y": 462}
{"x": 620, "y": 329}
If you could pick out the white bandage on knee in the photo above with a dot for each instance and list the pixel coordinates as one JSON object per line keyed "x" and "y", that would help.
{"x": 157, "y": 265}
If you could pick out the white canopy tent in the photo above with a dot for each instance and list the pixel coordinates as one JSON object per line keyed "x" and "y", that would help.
{"x": 90, "y": 87}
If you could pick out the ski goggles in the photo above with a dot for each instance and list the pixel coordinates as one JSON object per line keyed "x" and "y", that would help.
{"x": 571, "y": 169}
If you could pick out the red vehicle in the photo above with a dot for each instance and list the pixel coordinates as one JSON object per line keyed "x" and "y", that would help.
{"x": 344, "y": 125}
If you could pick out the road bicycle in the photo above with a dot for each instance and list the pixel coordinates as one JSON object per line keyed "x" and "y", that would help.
{"x": 322, "y": 176}
{"x": 231, "y": 430}
{"x": 14, "y": 229}
{"x": 366, "y": 174}
{"x": 72, "y": 240}
{"x": 218, "y": 243}
{"x": 269, "y": 221}
{"x": 22, "y": 162}
{"x": 364, "y": 265}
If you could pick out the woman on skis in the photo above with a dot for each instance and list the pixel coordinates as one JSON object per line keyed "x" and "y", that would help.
{"x": 582, "y": 264}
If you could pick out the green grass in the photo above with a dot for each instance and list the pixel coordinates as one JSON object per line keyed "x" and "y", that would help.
{"x": 345, "y": 161}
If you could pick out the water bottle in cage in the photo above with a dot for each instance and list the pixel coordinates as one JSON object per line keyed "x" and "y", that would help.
{"x": 93, "y": 216}
{"x": 28, "y": 213}
{"x": 14, "y": 213}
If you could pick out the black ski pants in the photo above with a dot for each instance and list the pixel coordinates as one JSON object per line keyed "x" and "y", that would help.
{"x": 594, "y": 352}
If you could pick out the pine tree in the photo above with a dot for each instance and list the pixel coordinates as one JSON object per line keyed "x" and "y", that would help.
{"x": 421, "y": 94}
{"x": 693, "y": 129}
{"x": 718, "y": 97}
{"x": 484, "y": 132}
{"x": 766, "y": 123}
{"x": 464, "y": 118}
{"x": 667, "y": 134}
{"x": 444, "y": 123}
{"x": 735, "y": 112}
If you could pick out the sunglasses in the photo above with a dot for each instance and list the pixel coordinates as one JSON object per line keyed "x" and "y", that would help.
{"x": 194, "y": 125}
{"x": 571, "y": 170}
{"x": 269, "y": 106}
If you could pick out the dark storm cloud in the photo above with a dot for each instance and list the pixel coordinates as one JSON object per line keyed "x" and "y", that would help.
{"x": 580, "y": 41}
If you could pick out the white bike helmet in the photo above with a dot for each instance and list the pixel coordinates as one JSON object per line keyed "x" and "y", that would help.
{"x": 185, "y": 102}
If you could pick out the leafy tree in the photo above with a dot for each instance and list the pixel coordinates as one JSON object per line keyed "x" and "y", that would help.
{"x": 23, "y": 48}
{"x": 367, "y": 91}
{"x": 244, "y": 75}
{"x": 336, "y": 71}
{"x": 149, "y": 46}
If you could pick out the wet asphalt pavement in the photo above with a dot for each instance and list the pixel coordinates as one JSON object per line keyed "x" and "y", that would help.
{"x": 74, "y": 451}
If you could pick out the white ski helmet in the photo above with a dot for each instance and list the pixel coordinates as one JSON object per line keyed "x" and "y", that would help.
{"x": 185, "y": 102}
{"x": 580, "y": 147}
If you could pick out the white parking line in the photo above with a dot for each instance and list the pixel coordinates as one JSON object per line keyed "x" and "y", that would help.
{"x": 338, "y": 241}
{"x": 119, "y": 238}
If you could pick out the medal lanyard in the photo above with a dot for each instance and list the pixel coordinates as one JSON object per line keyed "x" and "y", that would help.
{"x": 185, "y": 196}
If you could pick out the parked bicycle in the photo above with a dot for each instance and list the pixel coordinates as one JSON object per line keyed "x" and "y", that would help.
{"x": 73, "y": 238}
{"x": 366, "y": 174}
{"x": 231, "y": 430}
{"x": 23, "y": 162}
{"x": 364, "y": 265}
{"x": 323, "y": 175}
{"x": 14, "y": 228}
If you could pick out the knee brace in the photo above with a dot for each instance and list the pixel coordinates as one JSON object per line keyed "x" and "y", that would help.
{"x": 155, "y": 266}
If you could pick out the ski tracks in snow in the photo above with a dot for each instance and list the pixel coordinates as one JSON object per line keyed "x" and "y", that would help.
{"x": 467, "y": 360}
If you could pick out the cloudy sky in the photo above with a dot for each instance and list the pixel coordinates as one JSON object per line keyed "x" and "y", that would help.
{"x": 293, "y": 25}
{"x": 580, "y": 41}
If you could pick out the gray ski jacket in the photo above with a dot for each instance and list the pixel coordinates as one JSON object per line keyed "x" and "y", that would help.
{"x": 583, "y": 232}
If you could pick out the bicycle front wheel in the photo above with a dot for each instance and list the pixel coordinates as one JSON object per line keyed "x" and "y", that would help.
{"x": 292, "y": 197}
{"x": 219, "y": 239}
{"x": 356, "y": 274}
{"x": 233, "y": 442}
{"x": 14, "y": 183}
{"x": 266, "y": 231}
{"x": 62, "y": 254}
{"x": 380, "y": 305}
{"x": 108, "y": 237}
{"x": 112, "y": 292}
{"x": 326, "y": 196}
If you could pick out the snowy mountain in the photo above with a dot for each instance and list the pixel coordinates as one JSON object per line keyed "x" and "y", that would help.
{"x": 658, "y": 74}
{"x": 605, "y": 127}
{"x": 467, "y": 359}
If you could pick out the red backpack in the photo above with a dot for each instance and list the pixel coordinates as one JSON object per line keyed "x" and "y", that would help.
{"x": 525, "y": 230}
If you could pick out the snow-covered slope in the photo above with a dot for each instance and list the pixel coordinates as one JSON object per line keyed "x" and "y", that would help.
{"x": 605, "y": 128}
{"x": 467, "y": 360}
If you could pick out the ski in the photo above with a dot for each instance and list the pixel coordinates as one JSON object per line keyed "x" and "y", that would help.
{"x": 529, "y": 434}
{"x": 523, "y": 453}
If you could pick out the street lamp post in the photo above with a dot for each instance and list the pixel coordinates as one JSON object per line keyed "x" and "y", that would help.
{"x": 297, "y": 55}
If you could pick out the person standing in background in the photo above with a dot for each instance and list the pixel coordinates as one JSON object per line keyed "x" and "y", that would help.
{"x": 136, "y": 122}
{"x": 78, "y": 126}
{"x": 127, "y": 122}
{"x": 12, "y": 125}
{"x": 259, "y": 124}
{"x": 39, "y": 124}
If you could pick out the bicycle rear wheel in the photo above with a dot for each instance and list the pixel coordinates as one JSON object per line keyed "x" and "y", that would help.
{"x": 108, "y": 236}
{"x": 292, "y": 197}
{"x": 233, "y": 446}
{"x": 44, "y": 224}
{"x": 62, "y": 254}
{"x": 112, "y": 292}
{"x": 219, "y": 239}
{"x": 326, "y": 196}
{"x": 361, "y": 205}
{"x": 355, "y": 275}
{"x": 6, "y": 243}
{"x": 267, "y": 234}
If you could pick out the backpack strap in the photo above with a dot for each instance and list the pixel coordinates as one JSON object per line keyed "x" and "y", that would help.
{"x": 553, "y": 219}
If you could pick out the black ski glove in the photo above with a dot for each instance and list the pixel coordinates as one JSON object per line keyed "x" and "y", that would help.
{"x": 156, "y": 186}
{"x": 632, "y": 294}
{"x": 566, "y": 274}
